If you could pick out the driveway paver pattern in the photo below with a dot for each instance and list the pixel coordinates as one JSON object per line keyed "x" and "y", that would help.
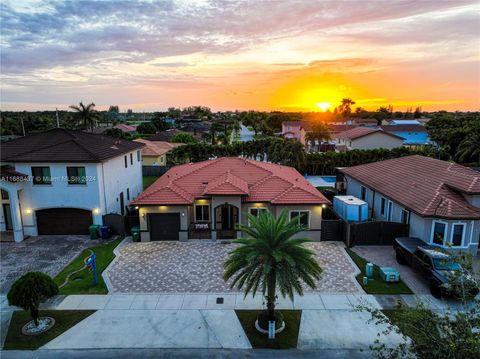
{"x": 47, "y": 254}
{"x": 198, "y": 267}
{"x": 384, "y": 256}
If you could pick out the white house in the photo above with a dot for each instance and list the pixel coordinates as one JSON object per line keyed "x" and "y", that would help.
{"x": 62, "y": 181}
{"x": 366, "y": 138}
{"x": 439, "y": 200}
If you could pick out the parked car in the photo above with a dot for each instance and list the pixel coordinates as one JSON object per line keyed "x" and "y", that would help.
{"x": 436, "y": 266}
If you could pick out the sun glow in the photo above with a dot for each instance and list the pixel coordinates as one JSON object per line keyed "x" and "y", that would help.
{"x": 324, "y": 106}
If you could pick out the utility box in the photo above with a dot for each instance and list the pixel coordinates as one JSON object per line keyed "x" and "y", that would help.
{"x": 350, "y": 208}
{"x": 389, "y": 274}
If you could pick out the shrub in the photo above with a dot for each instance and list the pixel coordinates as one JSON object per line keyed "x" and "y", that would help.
{"x": 30, "y": 290}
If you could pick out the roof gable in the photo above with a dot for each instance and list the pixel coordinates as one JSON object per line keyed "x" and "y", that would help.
{"x": 253, "y": 180}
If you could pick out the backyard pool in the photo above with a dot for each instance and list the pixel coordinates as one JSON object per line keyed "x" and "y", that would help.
{"x": 322, "y": 181}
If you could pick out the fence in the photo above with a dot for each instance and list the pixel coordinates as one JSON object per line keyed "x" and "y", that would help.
{"x": 332, "y": 230}
{"x": 154, "y": 170}
{"x": 374, "y": 233}
{"x": 121, "y": 224}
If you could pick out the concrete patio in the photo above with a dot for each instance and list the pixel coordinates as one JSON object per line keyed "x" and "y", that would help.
{"x": 174, "y": 267}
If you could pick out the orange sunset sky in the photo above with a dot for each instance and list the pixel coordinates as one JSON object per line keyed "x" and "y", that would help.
{"x": 263, "y": 55}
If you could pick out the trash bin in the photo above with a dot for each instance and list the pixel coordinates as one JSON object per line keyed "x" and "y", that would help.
{"x": 135, "y": 231}
{"x": 105, "y": 232}
{"x": 94, "y": 229}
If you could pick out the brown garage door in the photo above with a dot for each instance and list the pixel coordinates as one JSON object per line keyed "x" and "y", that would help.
{"x": 164, "y": 226}
{"x": 63, "y": 221}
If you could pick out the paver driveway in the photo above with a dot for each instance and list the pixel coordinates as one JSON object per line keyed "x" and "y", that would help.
{"x": 197, "y": 267}
{"x": 47, "y": 254}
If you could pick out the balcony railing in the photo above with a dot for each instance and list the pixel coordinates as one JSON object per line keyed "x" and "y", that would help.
{"x": 200, "y": 230}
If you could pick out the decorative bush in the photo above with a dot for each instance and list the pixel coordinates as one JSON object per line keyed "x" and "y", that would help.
{"x": 30, "y": 290}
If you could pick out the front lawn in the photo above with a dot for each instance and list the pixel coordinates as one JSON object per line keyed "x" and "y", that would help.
{"x": 377, "y": 285}
{"x": 148, "y": 180}
{"x": 64, "y": 320}
{"x": 82, "y": 282}
{"x": 286, "y": 339}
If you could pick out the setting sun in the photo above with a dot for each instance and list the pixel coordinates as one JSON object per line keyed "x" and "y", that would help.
{"x": 324, "y": 106}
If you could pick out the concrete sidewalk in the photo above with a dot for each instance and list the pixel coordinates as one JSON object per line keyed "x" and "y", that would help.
{"x": 210, "y": 301}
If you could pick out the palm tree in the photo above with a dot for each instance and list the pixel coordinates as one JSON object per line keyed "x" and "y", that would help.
{"x": 86, "y": 114}
{"x": 319, "y": 133}
{"x": 345, "y": 109}
{"x": 469, "y": 150}
{"x": 269, "y": 259}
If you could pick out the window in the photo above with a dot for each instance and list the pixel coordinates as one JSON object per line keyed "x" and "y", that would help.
{"x": 131, "y": 158}
{"x": 126, "y": 161}
{"x": 457, "y": 234}
{"x": 76, "y": 175}
{"x": 363, "y": 193}
{"x": 383, "y": 206}
{"x": 138, "y": 156}
{"x": 41, "y": 175}
{"x": 202, "y": 212}
{"x": 389, "y": 210}
{"x": 128, "y": 194}
{"x": 438, "y": 233}
{"x": 303, "y": 217}
{"x": 4, "y": 194}
{"x": 405, "y": 216}
{"x": 257, "y": 210}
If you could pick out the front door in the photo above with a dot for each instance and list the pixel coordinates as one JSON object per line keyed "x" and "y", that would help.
{"x": 8, "y": 217}
{"x": 227, "y": 217}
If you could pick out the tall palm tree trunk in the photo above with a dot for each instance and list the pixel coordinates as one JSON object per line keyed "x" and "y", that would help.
{"x": 272, "y": 284}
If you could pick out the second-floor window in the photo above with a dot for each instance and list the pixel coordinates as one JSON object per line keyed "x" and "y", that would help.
{"x": 138, "y": 156}
{"x": 126, "y": 161}
{"x": 128, "y": 194}
{"x": 76, "y": 175}
{"x": 131, "y": 158}
{"x": 41, "y": 175}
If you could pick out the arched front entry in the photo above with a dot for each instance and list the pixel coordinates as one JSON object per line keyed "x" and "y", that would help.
{"x": 226, "y": 220}
{"x": 63, "y": 221}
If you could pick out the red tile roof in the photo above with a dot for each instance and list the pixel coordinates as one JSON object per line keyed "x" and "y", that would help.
{"x": 358, "y": 132}
{"x": 255, "y": 181}
{"x": 227, "y": 184}
{"x": 156, "y": 148}
{"x": 126, "y": 128}
{"x": 426, "y": 186}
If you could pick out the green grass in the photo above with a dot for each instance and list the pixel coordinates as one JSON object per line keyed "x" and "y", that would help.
{"x": 284, "y": 340}
{"x": 84, "y": 283}
{"x": 377, "y": 285}
{"x": 64, "y": 320}
{"x": 148, "y": 180}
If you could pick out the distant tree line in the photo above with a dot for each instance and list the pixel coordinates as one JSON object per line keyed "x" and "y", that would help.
{"x": 290, "y": 152}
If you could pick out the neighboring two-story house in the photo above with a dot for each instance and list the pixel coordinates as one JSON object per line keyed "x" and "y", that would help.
{"x": 206, "y": 200}
{"x": 61, "y": 181}
{"x": 439, "y": 200}
{"x": 366, "y": 138}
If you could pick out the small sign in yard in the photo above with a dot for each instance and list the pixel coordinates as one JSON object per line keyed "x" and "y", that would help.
{"x": 92, "y": 264}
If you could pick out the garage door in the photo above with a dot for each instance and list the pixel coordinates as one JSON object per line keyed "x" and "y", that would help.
{"x": 63, "y": 221}
{"x": 164, "y": 226}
